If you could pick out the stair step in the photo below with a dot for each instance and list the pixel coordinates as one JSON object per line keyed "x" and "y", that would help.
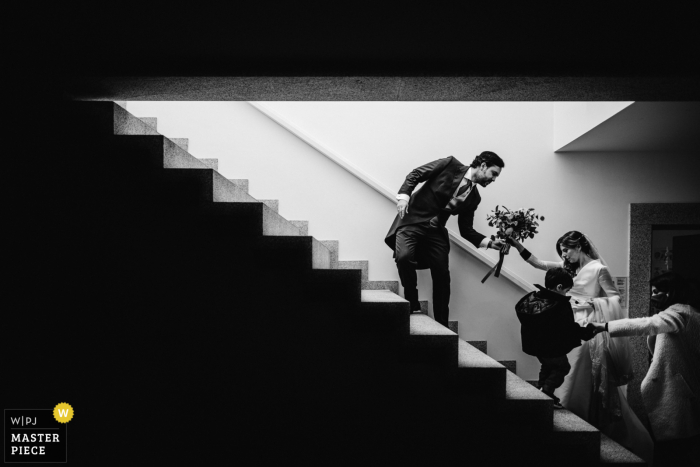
{"x": 223, "y": 192}
{"x": 392, "y": 286}
{"x": 525, "y": 405}
{"x": 303, "y": 227}
{"x": 362, "y": 265}
{"x": 424, "y": 307}
{"x": 386, "y": 311}
{"x": 453, "y": 326}
{"x": 571, "y": 432}
{"x": 509, "y": 364}
{"x": 184, "y": 143}
{"x": 121, "y": 104}
{"x": 211, "y": 163}
{"x": 241, "y": 184}
{"x": 333, "y": 246}
{"x": 479, "y": 374}
{"x": 479, "y": 345}
{"x": 431, "y": 343}
{"x": 612, "y": 453}
{"x": 152, "y": 121}
{"x": 273, "y": 204}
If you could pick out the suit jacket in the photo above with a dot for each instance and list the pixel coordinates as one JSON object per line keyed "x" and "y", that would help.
{"x": 671, "y": 388}
{"x": 441, "y": 179}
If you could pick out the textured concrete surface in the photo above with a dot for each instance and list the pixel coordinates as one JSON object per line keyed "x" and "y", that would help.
{"x": 333, "y": 246}
{"x": 613, "y": 453}
{"x": 477, "y": 373}
{"x": 184, "y": 143}
{"x": 387, "y": 312}
{"x": 152, "y": 121}
{"x": 321, "y": 257}
{"x": 393, "y": 286}
{"x": 471, "y": 357}
{"x": 274, "y": 224}
{"x": 383, "y": 296}
{"x": 517, "y": 389}
{"x": 241, "y": 183}
{"x": 509, "y": 364}
{"x": 479, "y": 345}
{"x": 227, "y": 192}
{"x": 127, "y": 124}
{"x": 453, "y": 326}
{"x": 431, "y": 343}
{"x": 571, "y": 431}
{"x": 388, "y": 88}
{"x": 422, "y": 325}
{"x": 212, "y": 163}
{"x": 362, "y": 265}
{"x": 567, "y": 422}
{"x": 525, "y": 404}
{"x": 303, "y": 227}
{"x": 273, "y": 204}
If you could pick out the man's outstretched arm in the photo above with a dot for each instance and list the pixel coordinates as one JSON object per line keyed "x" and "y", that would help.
{"x": 466, "y": 230}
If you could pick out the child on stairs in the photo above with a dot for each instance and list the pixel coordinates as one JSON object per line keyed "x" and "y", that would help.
{"x": 548, "y": 329}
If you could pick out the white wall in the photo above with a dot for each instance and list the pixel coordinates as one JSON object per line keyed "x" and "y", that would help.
{"x": 586, "y": 192}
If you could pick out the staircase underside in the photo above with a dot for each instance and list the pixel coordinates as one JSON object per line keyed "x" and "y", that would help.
{"x": 191, "y": 324}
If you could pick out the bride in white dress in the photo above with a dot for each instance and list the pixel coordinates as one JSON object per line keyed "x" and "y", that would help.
{"x": 595, "y": 389}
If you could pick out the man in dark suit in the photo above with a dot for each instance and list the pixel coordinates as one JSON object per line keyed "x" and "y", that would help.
{"x": 418, "y": 235}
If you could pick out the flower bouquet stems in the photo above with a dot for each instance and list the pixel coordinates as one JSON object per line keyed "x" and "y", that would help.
{"x": 519, "y": 224}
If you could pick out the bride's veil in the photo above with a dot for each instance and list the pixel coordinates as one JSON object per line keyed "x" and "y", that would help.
{"x": 595, "y": 254}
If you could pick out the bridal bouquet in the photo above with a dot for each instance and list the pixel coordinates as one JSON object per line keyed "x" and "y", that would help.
{"x": 519, "y": 224}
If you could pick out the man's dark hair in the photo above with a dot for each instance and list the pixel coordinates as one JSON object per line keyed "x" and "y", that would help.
{"x": 558, "y": 276}
{"x": 491, "y": 159}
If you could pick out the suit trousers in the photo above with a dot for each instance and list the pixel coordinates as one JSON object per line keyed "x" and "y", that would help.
{"x": 431, "y": 243}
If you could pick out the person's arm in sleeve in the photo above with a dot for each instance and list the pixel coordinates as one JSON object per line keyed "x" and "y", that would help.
{"x": 669, "y": 320}
{"x": 465, "y": 221}
{"x": 607, "y": 284}
{"x": 418, "y": 175}
{"x": 531, "y": 259}
{"x": 421, "y": 174}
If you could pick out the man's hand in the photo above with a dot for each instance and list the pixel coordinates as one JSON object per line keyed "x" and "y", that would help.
{"x": 402, "y": 207}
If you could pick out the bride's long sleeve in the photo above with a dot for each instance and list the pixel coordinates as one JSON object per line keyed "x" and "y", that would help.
{"x": 607, "y": 284}
{"x": 533, "y": 261}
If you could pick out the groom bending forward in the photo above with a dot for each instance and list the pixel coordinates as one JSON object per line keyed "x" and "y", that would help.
{"x": 418, "y": 235}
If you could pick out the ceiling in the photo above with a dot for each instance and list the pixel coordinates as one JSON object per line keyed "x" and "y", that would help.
{"x": 467, "y": 51}
{"x": 645, "y": 127}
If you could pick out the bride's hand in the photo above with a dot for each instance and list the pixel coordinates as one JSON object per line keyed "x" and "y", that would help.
{"x": 518, "y": 246}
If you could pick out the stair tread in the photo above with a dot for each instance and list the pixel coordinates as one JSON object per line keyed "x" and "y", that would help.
{"x": 381, "y": 296}
{"x": 564, "y": 421}
{"x": 471, "y": 357}
{"x": 517, "y": 389}
{"x": 612, "y": 453}
{"x": 424, "y": 325}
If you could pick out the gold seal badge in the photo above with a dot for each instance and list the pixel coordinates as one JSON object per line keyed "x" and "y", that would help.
{"x": 63, "y": 413}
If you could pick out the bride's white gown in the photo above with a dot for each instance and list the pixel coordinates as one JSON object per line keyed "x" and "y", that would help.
{"x": 590, "y": 389}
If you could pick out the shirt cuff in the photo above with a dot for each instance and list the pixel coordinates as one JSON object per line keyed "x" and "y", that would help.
{"x": 403, "y": 196}
{"x": 484, "y": 243}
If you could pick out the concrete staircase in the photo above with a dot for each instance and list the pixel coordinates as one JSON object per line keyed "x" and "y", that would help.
{"x": 224, "y": 332}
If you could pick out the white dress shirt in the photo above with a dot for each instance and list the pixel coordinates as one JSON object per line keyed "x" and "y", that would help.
{"x": 467, "y": 177}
